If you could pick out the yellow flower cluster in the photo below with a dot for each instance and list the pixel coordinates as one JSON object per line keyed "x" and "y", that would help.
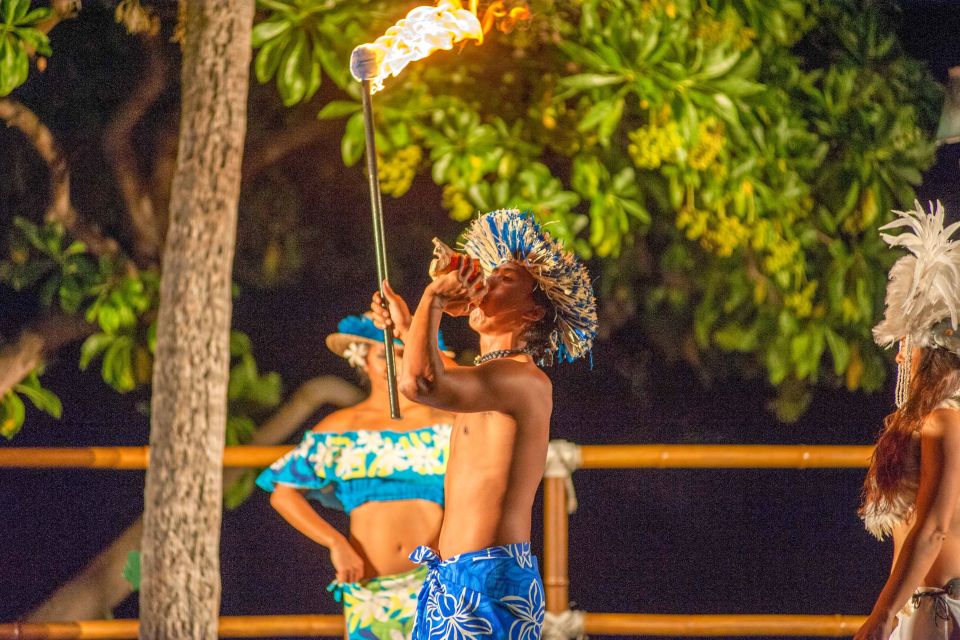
{"x": 801, "y": 302}
{"x": 717, "y": 231}
{"x": 668, "y": 7}
{"x": 710, "y": 141}
{"x": 455, "y": 201}
{"x": 728, "y": 29}
{"x": 653, "y": 145}
{"x": 397, "y": 172}
{"x": 780, "y": 255}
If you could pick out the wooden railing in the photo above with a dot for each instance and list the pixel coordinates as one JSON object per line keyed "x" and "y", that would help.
{"x": 555, "y": 541}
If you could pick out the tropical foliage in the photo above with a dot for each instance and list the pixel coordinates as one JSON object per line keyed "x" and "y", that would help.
{"x": 729, "y": 160}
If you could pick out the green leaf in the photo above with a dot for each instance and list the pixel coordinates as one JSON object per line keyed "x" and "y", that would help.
{"x": 291, "y": 81}
{"x": 596, "y": 114}
{"x": 353, "y": 142}
{"x": 590, "y": 81}
{"x": 34, "y": 16}
{"x": 11, "y": 8}
{"x": 43, "y": 399}
{"x": 12, "y": 413}
{"x": 268, "y": 30}
{"x": 93, "y": 347}
{"x": 238, "y": 491}
{"x": 266, "y": 390}
{"x": 268, "y": 58}
{"x": 278, "y": 5}
{"x": 338, "y": 109}
{"x": 839, "y": 350}
{"x": 240, "y": 344}
{"x": 117, "y": 369}
{"x": 108, "y": 319}
{"x": 239, "y": 429}
{"x": 131, "y": 570}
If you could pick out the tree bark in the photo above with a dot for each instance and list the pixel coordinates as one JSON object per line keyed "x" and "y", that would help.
{"x": 180, "y": 558}
{"x": 94, "y": 592}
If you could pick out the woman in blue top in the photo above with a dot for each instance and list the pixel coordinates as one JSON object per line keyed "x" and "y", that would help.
{"x": 386, "y": 474}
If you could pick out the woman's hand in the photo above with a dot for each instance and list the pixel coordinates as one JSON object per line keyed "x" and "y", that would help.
{"x": 396, "y": 315}
{"x": 346, "y": 561}
{"x": 876, "y": 628}
{"x": 457, "y": 292}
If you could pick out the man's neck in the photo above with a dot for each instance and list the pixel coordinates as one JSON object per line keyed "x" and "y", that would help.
{"x": 499, "y": 341}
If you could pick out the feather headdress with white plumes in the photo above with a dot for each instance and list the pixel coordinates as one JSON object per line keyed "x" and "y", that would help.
{"x": 923, "y": 294}
{"x": 511, "y": 235}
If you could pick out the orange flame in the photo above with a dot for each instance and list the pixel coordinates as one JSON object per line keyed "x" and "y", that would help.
{"x": 428, "y": 29}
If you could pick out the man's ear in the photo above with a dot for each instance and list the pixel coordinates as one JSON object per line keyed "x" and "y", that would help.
{"x": 534, "y": 314}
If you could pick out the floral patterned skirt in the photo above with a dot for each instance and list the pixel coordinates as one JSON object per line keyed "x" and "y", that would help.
{"x": 381, "y": 608}
{"x": 493, "y": 593}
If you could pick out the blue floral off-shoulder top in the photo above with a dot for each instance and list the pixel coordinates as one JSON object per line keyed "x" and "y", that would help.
{"x": 345, "y": 470}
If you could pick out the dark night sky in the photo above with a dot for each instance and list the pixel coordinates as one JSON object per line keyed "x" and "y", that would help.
{"x": 643, "y": 541}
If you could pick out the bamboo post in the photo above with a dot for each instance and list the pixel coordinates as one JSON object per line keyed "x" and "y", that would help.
{"x": 556, "y": 577}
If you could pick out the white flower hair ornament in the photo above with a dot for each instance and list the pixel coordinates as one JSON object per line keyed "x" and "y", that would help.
{"x": 356, "y": 354}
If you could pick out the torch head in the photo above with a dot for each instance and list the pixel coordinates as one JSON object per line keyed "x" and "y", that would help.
{"x": 364, "y": 62}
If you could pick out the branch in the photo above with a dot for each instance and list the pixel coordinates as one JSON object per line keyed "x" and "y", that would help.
{"x": 47, "y": 336}
{"x": 119, "y": 152}
{"x": 62, "y": 10}
{"x": 61, "y": 208}
{"x": 269, "y": 148}
{"x": 100, "y": 587}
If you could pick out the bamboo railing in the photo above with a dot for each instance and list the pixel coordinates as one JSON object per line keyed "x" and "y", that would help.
{"x": 555, "y": 541}
{"x": 594, "y": 623}
{"x": 613, "y": 456}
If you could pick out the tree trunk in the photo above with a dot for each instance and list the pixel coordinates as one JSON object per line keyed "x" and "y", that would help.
{"x": 180, "y": 588}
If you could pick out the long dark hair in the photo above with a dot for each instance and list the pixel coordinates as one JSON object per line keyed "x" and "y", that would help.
{"x": 936, "y": 378}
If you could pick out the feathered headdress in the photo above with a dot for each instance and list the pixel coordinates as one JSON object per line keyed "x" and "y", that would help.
{"x": 923, "y": 294}
{"x": 511, "y": 235}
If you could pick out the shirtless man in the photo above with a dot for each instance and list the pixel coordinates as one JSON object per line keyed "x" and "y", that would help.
{"x": 535, "y": 303}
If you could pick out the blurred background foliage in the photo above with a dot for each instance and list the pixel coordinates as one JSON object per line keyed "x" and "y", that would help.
{"x": 726, "y": 161}
{"x": 724, "y": 164}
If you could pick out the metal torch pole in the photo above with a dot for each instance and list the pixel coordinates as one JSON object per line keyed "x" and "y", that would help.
{"x": 380, "y": 245}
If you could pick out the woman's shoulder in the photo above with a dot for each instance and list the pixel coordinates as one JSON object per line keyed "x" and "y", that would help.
{"x": 943, "y": 423}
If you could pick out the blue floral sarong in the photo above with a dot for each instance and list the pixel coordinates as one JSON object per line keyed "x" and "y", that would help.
{"x": 492, "y": 593}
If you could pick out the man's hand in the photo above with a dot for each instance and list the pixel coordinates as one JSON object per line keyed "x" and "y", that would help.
{"x": 396, "y": 315}
{"x": 457, "y": 292}
{"x": 346, "y": 561}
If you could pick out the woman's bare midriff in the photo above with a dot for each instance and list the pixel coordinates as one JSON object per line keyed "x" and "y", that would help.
{"x": 947, "y": 564}
{"x": 385, "y": 533}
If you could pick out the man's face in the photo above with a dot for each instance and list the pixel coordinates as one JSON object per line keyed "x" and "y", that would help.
{"x": 509, "y": 297}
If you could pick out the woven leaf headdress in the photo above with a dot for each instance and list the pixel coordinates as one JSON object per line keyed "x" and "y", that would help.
{"x": 511, "y": 235}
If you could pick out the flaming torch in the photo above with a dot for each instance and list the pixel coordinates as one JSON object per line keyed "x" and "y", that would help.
{"x": 423, "y": 31}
